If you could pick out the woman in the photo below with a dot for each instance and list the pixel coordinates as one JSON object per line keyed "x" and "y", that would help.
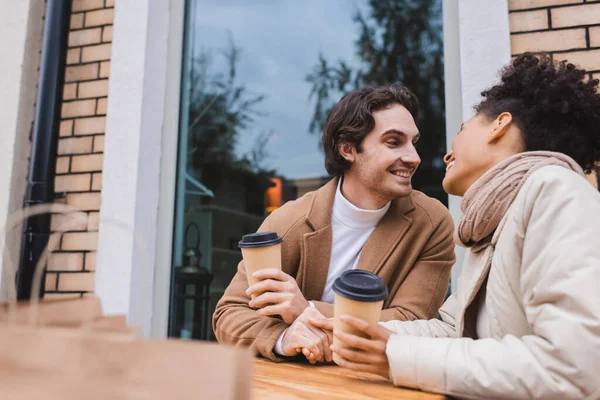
{"x": 525, "y": 320}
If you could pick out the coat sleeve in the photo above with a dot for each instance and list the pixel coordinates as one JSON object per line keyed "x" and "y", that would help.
{"x": 444, "y": 327}
{"x": 559, "y": 278}
{"x": 236, "y": 323}
{"x": 423, "y": 290}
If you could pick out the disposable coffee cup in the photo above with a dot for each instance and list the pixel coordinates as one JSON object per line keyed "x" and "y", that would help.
{"x": 260, "y": 250}
{"x": 359, "y": 294}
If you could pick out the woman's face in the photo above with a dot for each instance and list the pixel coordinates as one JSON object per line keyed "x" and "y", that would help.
{"x": 480, "y": 144}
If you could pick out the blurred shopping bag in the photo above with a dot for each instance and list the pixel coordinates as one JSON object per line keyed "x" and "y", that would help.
{"x": 67, "y": 350}
{"x": 68, "y": 364}
{"x": 56, "y": 312}
{"x": 66, "y": 313}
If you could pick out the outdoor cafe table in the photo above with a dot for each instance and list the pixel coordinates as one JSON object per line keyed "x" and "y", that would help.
{"x": 291, "y": 381}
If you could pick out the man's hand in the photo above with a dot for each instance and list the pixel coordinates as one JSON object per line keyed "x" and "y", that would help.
{"x": 278, "y": 294}
{"x": 370, "y": 355}
{"x": 301, "y": 336}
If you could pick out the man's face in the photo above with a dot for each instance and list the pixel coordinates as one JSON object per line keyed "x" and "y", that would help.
{"x": 388, "y": 158}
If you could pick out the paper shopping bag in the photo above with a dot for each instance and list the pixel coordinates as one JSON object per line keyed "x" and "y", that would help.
{"x": 56, "y": 312}
{"x": 67, "y": 364}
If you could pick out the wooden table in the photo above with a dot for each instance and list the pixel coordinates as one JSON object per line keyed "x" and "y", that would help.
{"x": 291, "y": 381}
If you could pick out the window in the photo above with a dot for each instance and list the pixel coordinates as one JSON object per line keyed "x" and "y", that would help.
{"x": 259, "y": 79}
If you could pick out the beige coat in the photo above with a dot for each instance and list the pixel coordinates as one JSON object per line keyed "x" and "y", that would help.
{"x": 411, "y": 250}
{"x": 543, "y": 305}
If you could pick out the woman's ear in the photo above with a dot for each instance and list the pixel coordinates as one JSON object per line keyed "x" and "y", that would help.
{"x": 500, "y": 126}
{"x": 348, "y": 151}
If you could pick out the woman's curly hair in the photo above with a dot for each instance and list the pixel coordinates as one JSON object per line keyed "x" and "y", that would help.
{"x": 552, "y": 106}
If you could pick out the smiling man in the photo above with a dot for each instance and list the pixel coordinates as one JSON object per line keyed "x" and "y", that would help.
{"x": 368, "y": 217}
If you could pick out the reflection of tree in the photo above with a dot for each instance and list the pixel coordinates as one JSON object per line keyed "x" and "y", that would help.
{"x": 220, "y": 110}
{"x": 399, "y": 40}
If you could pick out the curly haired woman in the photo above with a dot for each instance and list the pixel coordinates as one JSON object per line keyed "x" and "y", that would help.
{"x": 525, "y": 320}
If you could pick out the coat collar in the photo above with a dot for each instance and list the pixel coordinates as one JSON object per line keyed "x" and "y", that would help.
{"x": 316, "y": 246}
{"x": 320, "y": 211}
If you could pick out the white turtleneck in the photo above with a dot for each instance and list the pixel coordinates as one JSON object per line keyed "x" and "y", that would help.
{"x": 351, "y": 227}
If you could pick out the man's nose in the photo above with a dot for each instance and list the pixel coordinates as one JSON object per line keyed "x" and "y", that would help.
{"x": 411, "y": 156}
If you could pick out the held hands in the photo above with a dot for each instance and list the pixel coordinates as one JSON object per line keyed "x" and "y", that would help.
{"x": 367, "y": 355}
{"x": 311, "y": 341}
{"x": 278, "y": 294}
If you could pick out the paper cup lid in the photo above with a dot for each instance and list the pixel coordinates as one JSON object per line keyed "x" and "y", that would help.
{"x": 360, "y": 286}
{"x": 259, "y": 239}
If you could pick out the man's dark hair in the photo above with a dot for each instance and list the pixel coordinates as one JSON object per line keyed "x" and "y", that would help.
{"x": 351, "y": 120}
{"x": 555, "y": 109}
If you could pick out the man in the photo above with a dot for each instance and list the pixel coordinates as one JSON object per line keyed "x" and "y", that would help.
{"x": 368, "y": 217}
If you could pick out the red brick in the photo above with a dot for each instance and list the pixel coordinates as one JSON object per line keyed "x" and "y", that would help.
{"x": 595, "y": 37}
{"x": 528, "y": 21}
{"x": 99, "y": 18}
{"x": 67, "y": 222}
{"x": 73, "y": 56}
{"x": 90, "y": 126}
{"x": 65, "y": 262}
{"x": 62, "y": 165}
{"x": 84, "y": 201}
{"x": 548, "y": 41}
{"x": 93, "y": 221}
{"x": 75, "y": 145}
{"x": 107, "y": 34}
{"x": 90, "y": 261}
{"x": 102, "y": 104}
{"x": 72, "y": 183}
{"x": 66, "y": 128}
{"x": 97, "y": 181}
{"x": 70, "y": 91}
{"x": 589, "y": 60}
{"x": 76, "y": 281}
{"x": 523, "y": 4}
{"x": 88, "y": 163}
{"x": 80, "y": 241}
{"x": 90, "y": 89}
{"x": 110, "y": 3}
{"x": 76, "y": 21}
{"x": 98, "y": 144}
{"x": 104, "y": 69}
{"x": 585, "y": 14}
{"x": 85, "y": 37}
{"x": 85, "y": 5}
{"x": 79, "y": 108}
{"x": 81, "y": 72}
{"x": 99, "y": 52}
{"x": 51, "y": 280}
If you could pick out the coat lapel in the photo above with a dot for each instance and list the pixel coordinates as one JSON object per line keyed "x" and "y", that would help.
{"x": 317, "y": 254}
{"x": 316, "y": 245}
{"x": 476, "y": 271}
{"x": 386, "y": 236}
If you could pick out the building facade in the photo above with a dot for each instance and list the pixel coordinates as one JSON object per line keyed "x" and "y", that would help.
{"x": 188, "y": 121}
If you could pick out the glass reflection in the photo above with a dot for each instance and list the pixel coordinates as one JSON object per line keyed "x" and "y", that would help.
{"x": 258, "y": 81}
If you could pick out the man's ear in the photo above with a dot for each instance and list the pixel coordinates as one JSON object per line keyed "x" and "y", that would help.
{"x": 348, "y": 151}
{"x": 500, "y": 126}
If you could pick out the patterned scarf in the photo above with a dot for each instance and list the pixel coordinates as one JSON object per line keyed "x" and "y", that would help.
{"x": 486, "y": 202}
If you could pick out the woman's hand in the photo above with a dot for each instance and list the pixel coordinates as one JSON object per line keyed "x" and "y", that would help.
{"x": 370, "y": 355}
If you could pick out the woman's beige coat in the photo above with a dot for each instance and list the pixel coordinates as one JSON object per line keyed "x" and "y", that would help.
{"x": 543, "y": 304}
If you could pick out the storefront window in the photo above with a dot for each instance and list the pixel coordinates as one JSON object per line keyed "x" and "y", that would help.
{"x": 259, "y": 78}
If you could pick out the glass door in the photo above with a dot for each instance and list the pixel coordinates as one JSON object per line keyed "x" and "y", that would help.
{"x": 259, "y": 78}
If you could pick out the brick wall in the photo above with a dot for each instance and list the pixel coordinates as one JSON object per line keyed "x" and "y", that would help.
{"x": 70, "y": 270}
{"x": 567, "y": 29}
